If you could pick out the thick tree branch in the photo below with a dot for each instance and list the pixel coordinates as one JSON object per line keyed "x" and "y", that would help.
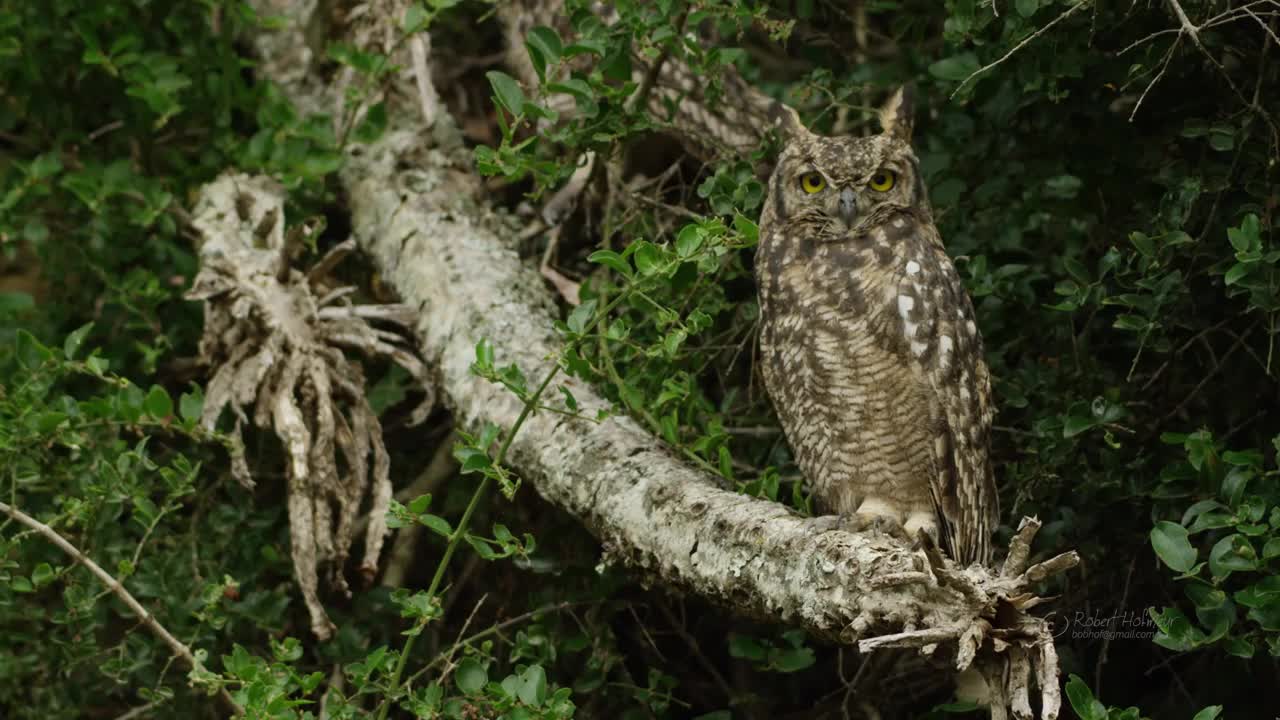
{"x": 417, "y": 207}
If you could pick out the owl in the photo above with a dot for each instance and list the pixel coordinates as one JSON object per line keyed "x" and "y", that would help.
{"x": 869, "y": 349}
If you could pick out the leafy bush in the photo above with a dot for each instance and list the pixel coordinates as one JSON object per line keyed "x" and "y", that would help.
{"x": 1106, "y": 183}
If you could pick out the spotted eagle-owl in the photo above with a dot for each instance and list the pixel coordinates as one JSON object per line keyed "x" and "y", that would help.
{"x": 868, "y": 343}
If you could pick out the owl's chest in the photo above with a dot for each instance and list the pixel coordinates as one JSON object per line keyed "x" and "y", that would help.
{"x": 838, "y": 286}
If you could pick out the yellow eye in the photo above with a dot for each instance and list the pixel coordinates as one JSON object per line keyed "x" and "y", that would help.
{"x": 812, "y": 182}
{"x": 883, "y": 180}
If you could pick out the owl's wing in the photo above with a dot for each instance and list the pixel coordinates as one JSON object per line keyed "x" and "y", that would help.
{"x": 940, "y": 336}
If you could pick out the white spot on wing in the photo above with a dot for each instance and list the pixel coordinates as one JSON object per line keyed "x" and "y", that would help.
{"x": 918, "y": 347}
{"x": 944, "y": 344}
{"x": 913, "y": 267}
{"x": 905, "y": 304}
{"x": 971, "y": 328}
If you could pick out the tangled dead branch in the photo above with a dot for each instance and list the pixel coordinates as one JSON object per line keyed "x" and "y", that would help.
{"x": 276, "y": 336}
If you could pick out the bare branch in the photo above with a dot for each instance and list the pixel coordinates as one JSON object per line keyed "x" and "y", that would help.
{"x": 1025, "y": 41}
{"x": 118, "y": 589}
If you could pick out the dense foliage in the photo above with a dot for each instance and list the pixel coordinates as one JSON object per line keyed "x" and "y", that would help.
{"x": 1108, "y": 181}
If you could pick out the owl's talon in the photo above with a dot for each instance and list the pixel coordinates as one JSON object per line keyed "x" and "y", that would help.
{"x": 885, "y": 524}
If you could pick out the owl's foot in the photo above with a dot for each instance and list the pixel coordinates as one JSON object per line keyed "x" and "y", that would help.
{"x": 877, "y": 515}
{"x": 879, "y": 522}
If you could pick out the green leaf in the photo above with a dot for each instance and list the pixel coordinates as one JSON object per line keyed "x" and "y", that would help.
{"x": 1204, "y": 595}
{"x": 1238, "y": 646}
{"x": 470, "y": 676}
{"x": 749, "y": 230}
{"x": 746, "y": 648}
{"x": 689, "y": 240}
{"x": 158, "y": 404}
{"x": 1222, "y": 141}
{"x": 533, "y": 686}
{"x": 435, "y": 523}
{"x": 955, "y": 68}
{"x": 419, "y": 504}
{"x": 1237, "y": 273}
{"x": 507, "y": 91}
{"x": 576, "y": 87}
{"x": 793, "y": 660}
{"x": 191, "y": 405}
{"x": 544, "y": 49}
{"x": 1172, "y": 546}
{"x": 1064, "y": 187}
{"x": 1134, "y": 323}
{"x": 1143, "y": 243}
{"x": 1232, "y": 553}
{"x": 373, "y": 124}
{"x": 611, "y": 260}
{"x": 416, "y": 19}
{"x": 581, "y": 317}
{"x": 1271, "y": 549}
{"x": 1208, "y": 712}
{"x": 1075, "y": 425}
{"x": 726, "y": 463}
{"x": 481, "y": 547}
{"x": 1027, "y": 8}
{"x": 44, "y": 166}
{"x": 42, "y": 575}
{"x": 647, "y": 257}
{"x": 1176, "y": 631}
{"x": 30, "y": 353}
{"x": 1247, "y": 236}
{"x": 484, "y": 356}
{"x": 570, "y": 402}
{"x": 472, "y": 459}
{"x": 1082, "y": 700}
{"x": 72, "y": 344}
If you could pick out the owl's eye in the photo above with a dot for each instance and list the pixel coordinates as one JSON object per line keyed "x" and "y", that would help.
{"x": 812, "y": 182}
{"x": 883, "y": 180}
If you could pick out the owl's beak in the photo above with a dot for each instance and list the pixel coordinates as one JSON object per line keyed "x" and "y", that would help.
{"x": 848, "y": 206}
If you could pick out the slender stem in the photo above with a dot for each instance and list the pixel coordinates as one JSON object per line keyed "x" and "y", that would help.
{"x": 449, "y": 549}
{"x": 492, "y": 630}
{"x": 465, "y": 521}
{"x": 530, "y": 405}
{"x": 147, "y": 619}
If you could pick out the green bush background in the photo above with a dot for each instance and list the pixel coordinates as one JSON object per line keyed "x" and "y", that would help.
{"x": 1110, "y": 196}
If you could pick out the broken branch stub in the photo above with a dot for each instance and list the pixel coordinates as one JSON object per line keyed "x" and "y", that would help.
{"x": 274, "y": 336}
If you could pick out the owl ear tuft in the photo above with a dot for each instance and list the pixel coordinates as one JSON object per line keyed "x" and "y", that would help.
{"x": 897, "y": 114}
{"x": 787, "y": 120}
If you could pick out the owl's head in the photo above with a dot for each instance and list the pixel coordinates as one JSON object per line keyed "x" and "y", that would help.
{"x": 843, "y": 184}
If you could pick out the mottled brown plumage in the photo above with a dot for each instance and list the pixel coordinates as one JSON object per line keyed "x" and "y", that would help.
{"x": 868, "y": 341}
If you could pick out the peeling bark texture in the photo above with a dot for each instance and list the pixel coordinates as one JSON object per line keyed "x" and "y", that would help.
{"x": 418, "y": 209}
{"x": 274, "y": 336}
